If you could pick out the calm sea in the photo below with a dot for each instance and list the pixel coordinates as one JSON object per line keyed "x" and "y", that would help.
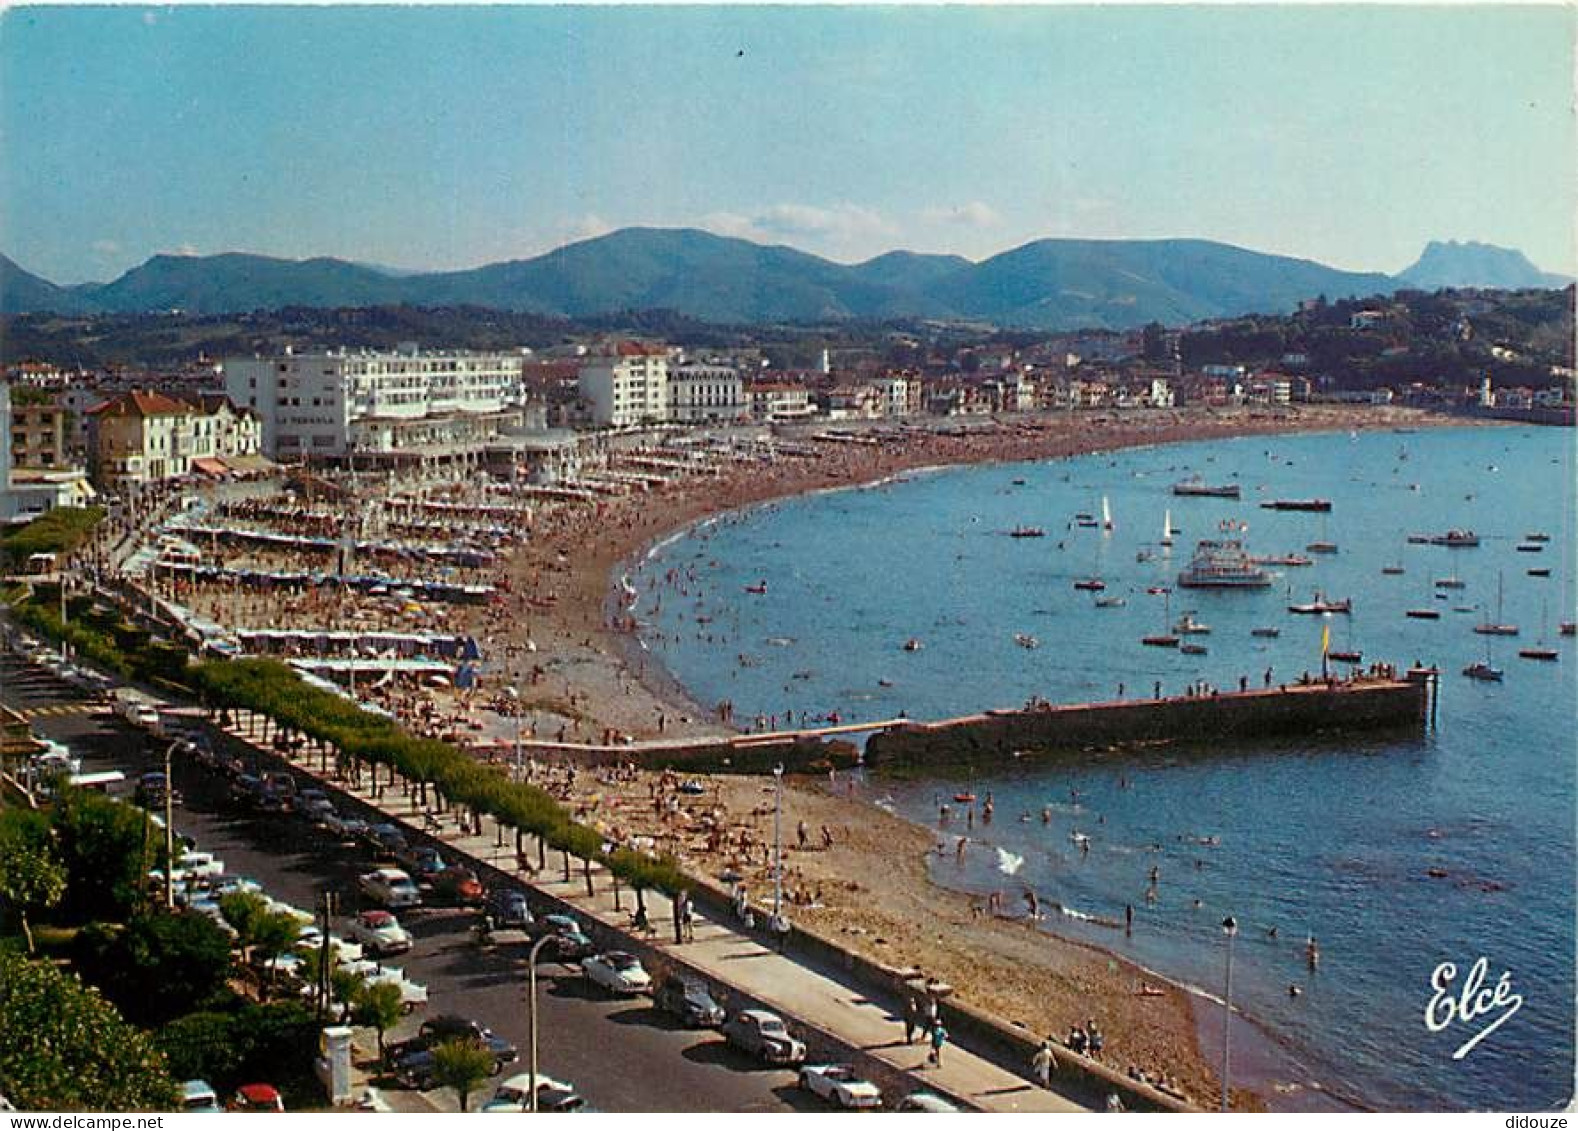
{"x": 1397, "y": 856}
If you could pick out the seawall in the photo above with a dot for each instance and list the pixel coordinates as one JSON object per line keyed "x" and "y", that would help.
{"x": 1362, "y": 704}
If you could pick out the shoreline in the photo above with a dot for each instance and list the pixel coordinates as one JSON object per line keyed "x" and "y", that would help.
{"x": 588, "y": 553}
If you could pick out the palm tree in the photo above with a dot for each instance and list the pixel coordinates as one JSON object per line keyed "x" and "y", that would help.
{"x": 461, "y": 1065}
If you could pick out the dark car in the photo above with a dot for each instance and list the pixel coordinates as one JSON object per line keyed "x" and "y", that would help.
{"x": 509, "y": 909}
{"x": 412, "y": 1061}
{"x": 151, "y": 790}
{"x": 569, "y": 943}
{"x": 689, "y": 1000}
{"x": 387, "y": 840}
{"x": 424, "y": 863}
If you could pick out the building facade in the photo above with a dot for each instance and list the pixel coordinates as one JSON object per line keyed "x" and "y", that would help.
{"x": 38, "y": 435}
{"x": 775, "y": 401}
{"x": 329, "y": 405}
{"x": 141, "y": 437}
{"x": 703, "y": 393}
{"x": 626, "y": 386}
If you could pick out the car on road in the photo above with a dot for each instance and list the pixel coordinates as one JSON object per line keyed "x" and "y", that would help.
{"x": 689, "y": 1000}
{"x": 199, "y": 1098}
{"x": 569, "y": 943}
{"x": 380, "y": 933}
{"x": 928, "y": 1101}
{"x": 514, "y": 1095}
{"x": 391, "y": 887}
{"x": 425, "y": 863}
{"x": 310, "y": 938}
{"x": 412, "y": 1061}
{"x": 387, "y": 840}
{"x": 840, "y": 1084}
{"x": 413, "y": 995}
{"x": 618, "y": 972}
{"x": 459, "y": 885}
{"x": 342, "y": 826}
{"x": 151, "y": 790}
{"x": 764, "y": 1036}
{"x": 256, "y": 1097}
{"x": 508, "y": 908}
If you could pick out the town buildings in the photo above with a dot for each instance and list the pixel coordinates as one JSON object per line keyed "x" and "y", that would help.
{"x": 329, "y": 405}
{"x": 27, "y": 489}
{"x": 140, "y": 437}
{"x": 627, "y": 385}
{"x": 706, "y": 393}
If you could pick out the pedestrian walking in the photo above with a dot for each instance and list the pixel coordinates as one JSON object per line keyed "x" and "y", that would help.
{"x": 939, "y": 1037}
{"x": 912, "y": 1018}
{"x": 1044, "y": 1063}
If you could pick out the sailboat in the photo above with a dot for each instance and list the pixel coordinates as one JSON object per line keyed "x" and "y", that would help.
{"x": 1393, "y": 568}
{"x": 1322, "y": 546}
{"x": 1348, "y": 654}
{"x": 1541, "y": 650}
{"x": 1106, "y": 514}
{"x": 1484, "y": 670}
{"x": 1093, "y": 583}
{"x": 1496, "y": 628}
{"x": 1164, "y": 639}
{"x": 1167, "y": 528}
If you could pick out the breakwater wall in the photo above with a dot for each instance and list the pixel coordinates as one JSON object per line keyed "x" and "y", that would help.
{"x": 1291, "y": 710}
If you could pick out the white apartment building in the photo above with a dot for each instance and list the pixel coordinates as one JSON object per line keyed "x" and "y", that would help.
{"x": 626, "y": 385}
{"x": 901, "y": 396}
{"x": 702, "y": 393}
{"x": 326, "y": 405}
{"x": 775, "y": 401}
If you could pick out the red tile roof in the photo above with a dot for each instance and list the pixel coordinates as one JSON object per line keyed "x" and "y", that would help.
{"x": 141, "y": 404}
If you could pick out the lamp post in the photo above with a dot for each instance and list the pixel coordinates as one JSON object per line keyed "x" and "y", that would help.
{"x": 1230, "y": 929}
{"x": 531, "y": 966}
{"x": 515, "y": 709}
{"x": 169, "y": 831}
{"x": 778, "y": 843}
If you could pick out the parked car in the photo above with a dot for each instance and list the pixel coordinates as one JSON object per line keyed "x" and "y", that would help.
{"x": 198, "y": 1097}
{"x": 688, "y": 1000}
{"x": 459, "y": 884}
{"x": 390, "y": 887}
{"x": 569, "y": 943}
{"x": 514, "y": 1095}
{"x": 928, "y": 1101}
{"x": 508, "y": 908}
{"x": 840, "y": 1084}
{"x": 311, "y": 938}
{"x": 412, "y": 1061}
{"x": 413, "y": 995}
{"x": 342, "y": 826}
{"x": 763, "y": 1035}
{"x": 425, "y": 863}
{"x": 387, "y": 839}
{"x": 151, "y": 790}
{"x": 618, "y": 972}
{"x": 380, "y": 933}
{"x": 256, "y": 1097}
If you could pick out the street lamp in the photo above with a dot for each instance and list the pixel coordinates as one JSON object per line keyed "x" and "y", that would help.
{"x": 1230, "y": 929}
{"x": 778, "y": 843}
{"x": 531, "y": 966}
{"x": 515, "y": 709}
{"x": 169, "y": 830}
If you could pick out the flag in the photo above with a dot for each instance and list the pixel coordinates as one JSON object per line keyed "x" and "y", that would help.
{"x": 1325, "y": 639}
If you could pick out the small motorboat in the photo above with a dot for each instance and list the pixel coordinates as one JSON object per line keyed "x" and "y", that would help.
{"x": 913, "y": 645}
{"x": 1111, "y": 602}
{"x": 1322, "y": 547}
{"x": 1266, "y": 632}
{"x": 1539, "y": 571}
{"x": 1161, "y": 641}
{"x": 1451, "y": 583}
{"x": 1537, "y": 536}
{"x": 759, "y": 588}
{"x": 1424, "y": 614}
{"x": 1482, "y": 670}
{"x": 1539, "y": 652}
{"x": 1188, "y": 626}
{"x": 1530, "y": 547}
{"x": 1347, "y": 657}
{"x": 1192, "y": 649}
{"x": 1090, "y": 584}
{"x": 1027, "y": 532}
{"x": 1025, "y": 640}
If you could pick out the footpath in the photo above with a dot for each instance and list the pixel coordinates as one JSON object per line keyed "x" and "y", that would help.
{"x": 733, "y": 958}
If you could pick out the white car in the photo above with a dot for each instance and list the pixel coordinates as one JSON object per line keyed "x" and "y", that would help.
{"x": 514, "y": 1095}
{"x": 390, "y": 887}
{"x": 380, "y": 933}
{"x": 618, "y": 972}
{"x": 199, "y": 866}
{"x": 280, "y": 907}
{"x": 413, "y": 995}
{"x": 840, "y": 1084}
{"x": 311, "y": 938}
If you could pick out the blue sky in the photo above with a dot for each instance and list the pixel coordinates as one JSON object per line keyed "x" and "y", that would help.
{"x": 449, "y": 137}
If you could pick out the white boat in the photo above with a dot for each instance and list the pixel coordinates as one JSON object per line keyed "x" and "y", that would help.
{"x": 1167, "y": 528}
{"x": 1106, "y": 514}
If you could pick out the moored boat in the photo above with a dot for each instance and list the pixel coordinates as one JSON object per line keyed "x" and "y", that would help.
{"x": 1530, "y": 547}
{"x": 1161, "y": 640}
{"x": 1111, "y": 602}
{"x": 1027, "y": 532}
{"x": 1266, "y": 632}
{"x": 1025, "y": 640}
{"x": 1424, "y": 614}
{"x": 1285, "y": 560}
{"x": 1090, "y": 584}
{"x": 1188, "y": 626}
{"x": 1495, "y": 627}
{"x": 1539, "y": 571}
{"x": 1482, "y": 670}
{"x": 1322, "y": 547}
{"x": 1192, "y": 649}
{"x": 1297, "y": 505}
{"x": 1222, "y": 564}
{"x": 1198, "y": 488}
{"x": 1322, "y": 604}
{"x": 1347, "y": 657}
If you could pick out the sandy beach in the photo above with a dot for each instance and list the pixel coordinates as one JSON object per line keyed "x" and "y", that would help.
{"x": 579, "y": 669}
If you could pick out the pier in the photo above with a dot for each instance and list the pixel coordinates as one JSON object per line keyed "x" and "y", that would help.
{"x": 1360, "y": 704}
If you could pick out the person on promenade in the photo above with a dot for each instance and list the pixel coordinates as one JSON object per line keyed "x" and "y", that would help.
{"x": 1044, "y": 1064}
{"x": 939, "y": 1037}
{"x": 912, "y": 1019}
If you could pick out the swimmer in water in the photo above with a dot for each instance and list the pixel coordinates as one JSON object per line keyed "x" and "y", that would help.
{"x": 1046, "y": 815}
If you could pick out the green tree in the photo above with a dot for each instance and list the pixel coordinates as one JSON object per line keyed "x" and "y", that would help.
{"x": 378, "y": 1005}
{"x": 64, "y": 1048}
{"x": 32, "y": 877}
{"x": 461, "y": 1064}
{"x": 203, "y": 1046}
{"x": 158, "y": 966}
{"x": 107, "y": 848}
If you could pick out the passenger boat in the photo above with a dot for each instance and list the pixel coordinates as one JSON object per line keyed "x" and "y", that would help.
{"x": 1027, "y": 532}
{"x": 1222, "y": 564}
{"x": 1198, "y": 489}
{"x": 1192, "y": 649}
{"x": 1297, "y": 505}
{"x": 1322, "y": 605}
{"x": 1267, "y": 632}
{"x": 1495, "y": 627}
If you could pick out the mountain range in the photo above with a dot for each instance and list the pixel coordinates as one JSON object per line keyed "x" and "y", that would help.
{"x": 1051, "y": 284}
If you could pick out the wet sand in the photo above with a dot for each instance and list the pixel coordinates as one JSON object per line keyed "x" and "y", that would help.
{"x": 871, "y": 888}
